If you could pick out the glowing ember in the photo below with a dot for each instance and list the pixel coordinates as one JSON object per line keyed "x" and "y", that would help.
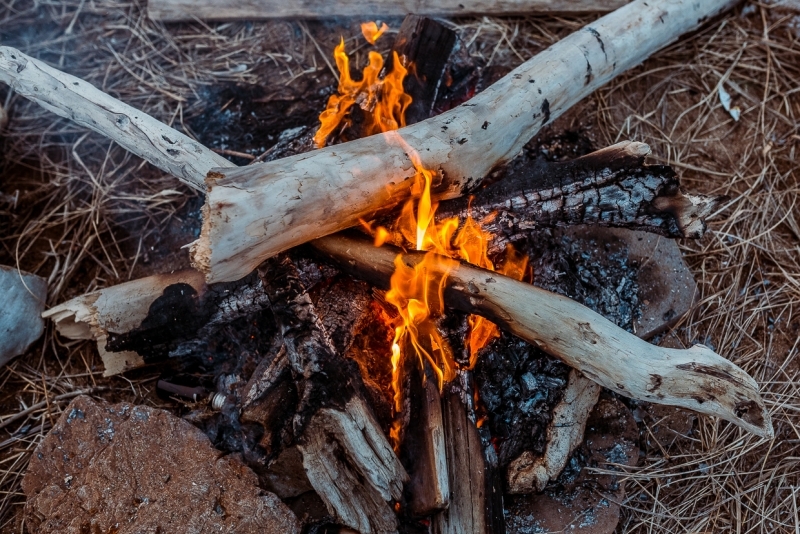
{"x": 383, "y": 101}
{"x": 371, "y": 31}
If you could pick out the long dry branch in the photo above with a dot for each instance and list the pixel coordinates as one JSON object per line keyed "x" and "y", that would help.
{"x": 80, "y": 101}
{"x": 255, "y": 212}
{"x": 190, "y": 10}
{"x": 695, "y": 378}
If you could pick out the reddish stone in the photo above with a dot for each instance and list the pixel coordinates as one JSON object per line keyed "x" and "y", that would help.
{"x": 135, "y": 469}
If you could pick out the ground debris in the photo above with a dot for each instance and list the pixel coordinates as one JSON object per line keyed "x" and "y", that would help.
{"x": 125, "y": 469}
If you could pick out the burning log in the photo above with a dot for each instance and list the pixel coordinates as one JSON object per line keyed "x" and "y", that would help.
{"x": 255, "y": 212}
{"x": 184, "y": 10}
{"x": 609, "y": 187}
{"x": 695, "y": 378}
{"x": 346, "y": 456}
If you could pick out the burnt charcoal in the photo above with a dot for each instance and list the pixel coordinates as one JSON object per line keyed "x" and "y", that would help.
{"x": 251, "y": 119}
{"x": 518, "y": 386}
{"x": 598, "y": 275}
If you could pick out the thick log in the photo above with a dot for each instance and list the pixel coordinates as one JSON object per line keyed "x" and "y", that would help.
{"x": 189, "y": 10}
{"x": 609, "y": 187}
{"x": 529, "y": 473}
{"x": 347, "y": 458}
{"x": 78, "y": 100}
{"x": 255, "y": 212}
{"x": 695, "y": 378}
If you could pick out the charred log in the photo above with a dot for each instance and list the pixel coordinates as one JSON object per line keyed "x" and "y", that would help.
{"x": 609, "y": 187}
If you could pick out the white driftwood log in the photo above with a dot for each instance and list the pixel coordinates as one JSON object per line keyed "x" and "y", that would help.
{"x": 695, "y": 378}
{"x": 78, "y": 100}
{"x": 255, "y": 212}
{"x": 187, "y": 10}
{"x": 116, "y": 310}
{"x": 528, "y": 472}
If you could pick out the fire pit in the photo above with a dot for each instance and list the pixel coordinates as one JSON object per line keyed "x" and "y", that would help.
{"x": 407, "y": 374}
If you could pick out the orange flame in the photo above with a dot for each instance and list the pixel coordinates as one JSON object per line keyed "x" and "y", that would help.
{"x": 371, "y": 32}
{"x": 417, "y": 291}
{"x": 383, "y": 100}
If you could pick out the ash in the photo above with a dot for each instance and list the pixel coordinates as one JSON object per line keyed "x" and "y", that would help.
{"x": 519, "y": 384}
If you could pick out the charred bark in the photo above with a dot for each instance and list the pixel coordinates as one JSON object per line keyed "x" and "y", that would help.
{"x": 424, "y": 46}
{"x": 609, "y": 187}
{"x": 345, "y": 454}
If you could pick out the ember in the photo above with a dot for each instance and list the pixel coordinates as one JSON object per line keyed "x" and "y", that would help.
{"x": 371, "y": 31}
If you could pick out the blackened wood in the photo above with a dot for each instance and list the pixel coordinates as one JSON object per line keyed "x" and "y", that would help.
{"x": 347, "y": 458}
{"x": 423, "y": 440}
{"x": 610, "y": 187}
{"x": 424, "y": 46}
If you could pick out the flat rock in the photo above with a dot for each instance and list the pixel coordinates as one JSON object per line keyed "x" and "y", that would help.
{"x": 134, "y": 469}
{"x": 21, "y": 322}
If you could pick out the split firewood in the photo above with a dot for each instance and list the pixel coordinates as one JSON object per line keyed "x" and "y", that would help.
{"x": 695, "y": 378}
{"x": 187, "y": 10}
{"x": 529, "y": 473}
{"x": 346, "y": 456}
{"x": 476, "y": 504}
{"x": 423, "y": 442}
{"x": 252, "y": 213}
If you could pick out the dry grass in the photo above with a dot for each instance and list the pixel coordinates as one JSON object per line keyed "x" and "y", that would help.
{"x": 81, "y": 212}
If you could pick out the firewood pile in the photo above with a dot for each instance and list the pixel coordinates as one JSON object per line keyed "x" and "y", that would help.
{"x": 386, "y": 279}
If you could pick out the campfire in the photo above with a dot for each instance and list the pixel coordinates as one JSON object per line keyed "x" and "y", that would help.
{"x": 411, "y": 353}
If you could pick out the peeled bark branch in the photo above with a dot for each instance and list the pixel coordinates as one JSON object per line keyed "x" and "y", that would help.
{"x": 695, "y": 378}
{"x": 78, "y": 100}
{"x": 255, "y": 212}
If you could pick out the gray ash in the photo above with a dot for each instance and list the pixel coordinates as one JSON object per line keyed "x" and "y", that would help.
{"x": 519, "y": 384}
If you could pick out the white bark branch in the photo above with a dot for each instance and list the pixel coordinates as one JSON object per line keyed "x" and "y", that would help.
{"x": 137, "y": 132}
{"x": 255, "y": 212}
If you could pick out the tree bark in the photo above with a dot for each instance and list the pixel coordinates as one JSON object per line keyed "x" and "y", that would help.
{"x": 255, "y": 212}
{"x": 695, "y": 378}
{"x": 609, "y": 187}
